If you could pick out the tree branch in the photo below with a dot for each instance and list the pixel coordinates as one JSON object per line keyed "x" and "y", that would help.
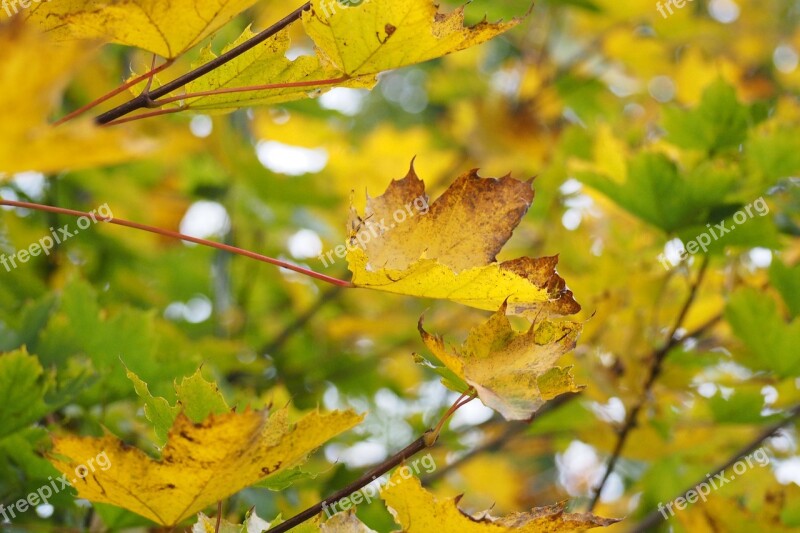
{"x": 182, "y": 237}
{"x": 652, "y": 519}
{"x": 655, "y": 371}
{"x": 425, "y": 441}
{"x": 146, "y": 99}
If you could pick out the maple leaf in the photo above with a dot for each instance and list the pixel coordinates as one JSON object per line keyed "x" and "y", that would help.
{"x": 202, "y": 463}
{"x": 29, "y": 142}
{"x": 447, "y": 249}
{"x": 334, "y": 35}
{"x": 166, "y": 28}
{"x": 419, "y": 511}
{"x": 513, "y": 373}
{"x": 385, "y": 34}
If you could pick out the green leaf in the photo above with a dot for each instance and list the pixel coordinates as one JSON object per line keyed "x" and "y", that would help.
{"x": 23, "y": 385}
{"x": 787, "y": 281}
{"x": 742, "y": 407}
{"x": 157, "y": 410}
{"x": 772, "y": 343}
{"x": 755, "y": 231}
{"x": 197, "y": 397}
{"x": 657, "y": 193}
{"x": 773, "y": 156}
{"x": 200, "y": 398}
{"x": 719, "y": 122}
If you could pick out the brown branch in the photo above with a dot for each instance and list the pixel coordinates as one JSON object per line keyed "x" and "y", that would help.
{"x": 655, "y": 371}
{"x": 425, "y": 441}
{"x": 182, "y": 237}
{"x": 146, "y": 99}
{"x": 652, "y": 519}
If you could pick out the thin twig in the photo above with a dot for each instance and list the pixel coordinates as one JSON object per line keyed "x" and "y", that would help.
{"x": 140, "y": 116}
{"x": 652, "y": 519}
{"x": 181, "y": 236}
{"x": 251, "y": 88}
{"x": 146, "y": 99}
{"x": 425, "y": 441}
{"x": 128, "y": 84}
{"x": 655, "y": 371}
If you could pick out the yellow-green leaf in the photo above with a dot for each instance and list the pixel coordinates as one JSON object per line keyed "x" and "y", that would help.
{"x": 513, "y": 373}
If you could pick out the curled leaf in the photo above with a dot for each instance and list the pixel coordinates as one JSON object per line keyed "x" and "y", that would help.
{"x": 513, "y": 373}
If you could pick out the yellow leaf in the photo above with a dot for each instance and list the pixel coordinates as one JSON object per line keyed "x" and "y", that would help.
{"x": 513, "y": 373}
{"x": 419, "y": 511}
{"x": 447, "y": 249}
{"x": 165, "y": 27}
{"x": 380, "y": 35}
{"x": 201, "y": 464}
{"x": 29, "y": 96}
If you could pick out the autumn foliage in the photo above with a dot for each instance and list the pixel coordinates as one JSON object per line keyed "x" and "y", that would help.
{"x": 258, "y": 256}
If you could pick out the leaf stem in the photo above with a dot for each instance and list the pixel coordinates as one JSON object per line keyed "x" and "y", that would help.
{"x": 125, "y": 86}
{"x": 462, "y": 400}
{"x": 655, "y": 371}
{"x": 147, "y": 99}
{"x": 425, "y": 441}
{"x": 181, "y": 236}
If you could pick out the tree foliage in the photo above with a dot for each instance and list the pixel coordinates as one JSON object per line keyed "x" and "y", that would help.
{"x": 605, "y": 329}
